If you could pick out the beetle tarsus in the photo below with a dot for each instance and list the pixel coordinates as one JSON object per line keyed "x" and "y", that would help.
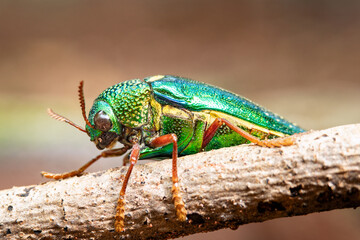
{"x": 57, "y": 176}
{"x": 277, "y": 142}
{"x": 120, "y": 215}
{"x": 178, "y": 203}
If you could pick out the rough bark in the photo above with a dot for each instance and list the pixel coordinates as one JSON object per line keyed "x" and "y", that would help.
{"x": 223, "y": 188}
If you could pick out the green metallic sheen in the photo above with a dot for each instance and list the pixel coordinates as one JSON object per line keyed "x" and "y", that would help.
{"x": 127, "y": 100}
{"x": 197, "y": 96}
{"x": 104, "y": 106}
{"x": 161, "y": 105}
{"x": 196, "y": 140}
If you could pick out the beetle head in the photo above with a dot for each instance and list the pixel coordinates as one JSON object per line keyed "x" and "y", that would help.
{"x": 102, "y": 125}
{"x": 104, "y": 128}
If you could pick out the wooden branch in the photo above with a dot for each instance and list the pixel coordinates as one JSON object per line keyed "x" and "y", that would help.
{"x": 223, "y": 188}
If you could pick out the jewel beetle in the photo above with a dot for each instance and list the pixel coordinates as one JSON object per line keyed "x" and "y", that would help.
{"x": 163, "y": 116}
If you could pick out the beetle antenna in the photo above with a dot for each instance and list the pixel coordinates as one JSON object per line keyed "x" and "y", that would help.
{"x": 64, "y": 119}
{"x": 82, "y": 103}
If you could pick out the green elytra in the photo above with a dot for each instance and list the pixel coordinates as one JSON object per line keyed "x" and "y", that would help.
{"x": 160, "y": 105}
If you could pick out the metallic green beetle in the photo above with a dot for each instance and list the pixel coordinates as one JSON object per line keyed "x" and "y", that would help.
{"x": 163, "y": 116}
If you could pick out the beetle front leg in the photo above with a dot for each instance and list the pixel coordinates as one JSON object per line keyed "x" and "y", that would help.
{"x": 104, "y": 154}
{"x": 120, "y": 208}
{"x": 210, "y": 132}
{"x": 178, "y": 202}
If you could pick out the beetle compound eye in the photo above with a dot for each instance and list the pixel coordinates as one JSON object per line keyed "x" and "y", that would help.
{"x": 102, "y": 121}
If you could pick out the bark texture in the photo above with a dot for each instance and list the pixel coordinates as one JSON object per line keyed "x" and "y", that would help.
{"x": 223, "y": 188}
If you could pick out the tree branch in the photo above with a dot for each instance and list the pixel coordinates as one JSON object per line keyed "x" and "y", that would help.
{"x": 223, "y": 188}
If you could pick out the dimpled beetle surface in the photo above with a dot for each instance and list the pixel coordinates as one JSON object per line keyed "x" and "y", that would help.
{"x": 163, "y": 116}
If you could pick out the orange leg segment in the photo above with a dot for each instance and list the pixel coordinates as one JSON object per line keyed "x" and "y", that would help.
{"x": 210, "y": 132}
{"x": 178, "y": 202}
{"x": 120, "y": 208}
{"x": 104, "y": 154}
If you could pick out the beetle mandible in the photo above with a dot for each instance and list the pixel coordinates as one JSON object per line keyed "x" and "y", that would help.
{"x": 166, "y": 115}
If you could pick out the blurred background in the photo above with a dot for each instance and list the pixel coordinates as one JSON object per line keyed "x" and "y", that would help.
{"x": 297, "y": 58}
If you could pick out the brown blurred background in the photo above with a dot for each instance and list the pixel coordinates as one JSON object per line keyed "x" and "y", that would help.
{"x": 297, "y": 58}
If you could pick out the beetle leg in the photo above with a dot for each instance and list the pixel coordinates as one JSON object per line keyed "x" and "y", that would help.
{"x": 120, "y": 208}
{"x": 126, "y": 160}
{"x": 178, "y": 202}
{"x": 210, "y": 132}
{"x": 104, "y": 154}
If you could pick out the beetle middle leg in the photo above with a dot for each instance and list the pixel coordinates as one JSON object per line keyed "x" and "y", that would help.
{"x": 104, "y": 154}
{"x": 178, "y": 202}
{"x": 210, "y": 132}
